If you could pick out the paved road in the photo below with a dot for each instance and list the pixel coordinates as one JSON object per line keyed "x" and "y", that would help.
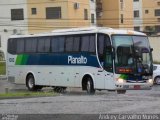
{"x": 75, "y": 102}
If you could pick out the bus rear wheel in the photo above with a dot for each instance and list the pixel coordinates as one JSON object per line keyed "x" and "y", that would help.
{"x": 30, "y": 83}
{"x": 90, "y": 86}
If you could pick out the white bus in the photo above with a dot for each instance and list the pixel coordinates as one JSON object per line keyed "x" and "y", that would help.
{"x": 91, "y": 58}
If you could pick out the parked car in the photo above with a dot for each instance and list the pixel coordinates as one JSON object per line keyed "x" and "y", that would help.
{"x": 156, "y": 74}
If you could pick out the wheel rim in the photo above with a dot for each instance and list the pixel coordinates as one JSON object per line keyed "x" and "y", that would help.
{"x": 88, "y": 86}
{"x": 30, "y": 82}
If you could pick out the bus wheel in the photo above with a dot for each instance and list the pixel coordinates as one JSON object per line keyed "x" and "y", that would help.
{"x": 121, "y": 91}
{"x": 90, "y": 86}
{"x": 30, "y": 83}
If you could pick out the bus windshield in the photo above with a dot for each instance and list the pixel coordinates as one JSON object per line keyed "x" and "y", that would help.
{"x": 132, "y": 54}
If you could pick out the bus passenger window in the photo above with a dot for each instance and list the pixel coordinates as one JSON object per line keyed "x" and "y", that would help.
{"x": 57, "y": 44}
{"x": 30, "y": 45}
{"x": 44, "y": 44}
{"x": 76, "y": 44}
{"x": 20, "y": 46}
{"x": 85, "y": 43}
{"x": 69, "y": 44}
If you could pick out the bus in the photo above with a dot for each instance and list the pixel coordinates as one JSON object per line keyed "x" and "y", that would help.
{"x": 93, "y": 58}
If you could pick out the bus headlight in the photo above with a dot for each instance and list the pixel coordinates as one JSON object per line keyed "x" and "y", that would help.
{"x": 150, "y": 81}
{"x": 120, "y": 80}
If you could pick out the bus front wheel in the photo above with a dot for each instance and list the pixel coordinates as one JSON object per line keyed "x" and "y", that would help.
{"x": 30, "y": 83}
{"x": 90, "y": 86}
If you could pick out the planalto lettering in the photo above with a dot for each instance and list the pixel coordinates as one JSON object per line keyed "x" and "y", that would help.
{"x": 77, "y": 60}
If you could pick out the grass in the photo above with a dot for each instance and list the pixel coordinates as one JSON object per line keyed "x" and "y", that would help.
{"x": 2, "y": 68}
{"x": 27, "y": 94}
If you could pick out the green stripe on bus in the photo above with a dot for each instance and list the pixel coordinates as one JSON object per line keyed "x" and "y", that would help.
{"x": 21, "y": 59}
{"x": 122, "y": 76}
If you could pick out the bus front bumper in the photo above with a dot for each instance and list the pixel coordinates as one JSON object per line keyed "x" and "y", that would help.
{"x": 133, "y": 86}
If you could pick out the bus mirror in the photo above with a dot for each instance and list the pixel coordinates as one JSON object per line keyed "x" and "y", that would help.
{"x": 151, "y": 49}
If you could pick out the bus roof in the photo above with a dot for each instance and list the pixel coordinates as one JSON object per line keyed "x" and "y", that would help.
{"x": 104, "y": 30}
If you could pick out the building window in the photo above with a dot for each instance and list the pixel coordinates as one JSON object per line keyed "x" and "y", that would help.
{"x": 92, "y": 18}
{"x": 34, "y": 11}
{"x": 136, "y": 13}
{"x": 85, "y": 14}
{"x": 157, "y": 12}
{"x": 122, "y": 20}
{"x": 122, "y": 4}
{"x": 53, "y": 13}
{"x": 135, "y": 0}
{"x": 17, "y": 14}
{"x": 146, "y": 11}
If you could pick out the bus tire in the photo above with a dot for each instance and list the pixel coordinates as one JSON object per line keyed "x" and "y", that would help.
{"x": 121, "y": 91}
{"x": 30, "y": 83}
{"x": 90, "y": 86}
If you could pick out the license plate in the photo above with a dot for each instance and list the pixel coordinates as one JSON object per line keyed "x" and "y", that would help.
{"x": 137, "y": 87}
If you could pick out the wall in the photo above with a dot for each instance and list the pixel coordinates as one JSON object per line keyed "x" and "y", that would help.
{"x": 150, "y": 19}
{"x": 70, "y": 17}
{"x": 155, "y": 44}
{"x": 111, "y": 14}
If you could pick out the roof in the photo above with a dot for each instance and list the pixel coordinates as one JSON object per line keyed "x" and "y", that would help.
{"x": 107, "y": 30}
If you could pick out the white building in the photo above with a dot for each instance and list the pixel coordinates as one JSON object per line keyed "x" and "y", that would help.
{"x": 138, "y": 15}
{"x": 13, "y": 14}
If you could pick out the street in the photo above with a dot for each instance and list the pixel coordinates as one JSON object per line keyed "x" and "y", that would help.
{"x": 77, "y": 102}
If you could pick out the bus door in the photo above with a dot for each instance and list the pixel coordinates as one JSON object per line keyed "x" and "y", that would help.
{"x": 105, "y": 56}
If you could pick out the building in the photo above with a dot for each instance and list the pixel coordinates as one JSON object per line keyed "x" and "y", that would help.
{"x": 115, "y": 13}
{"x": 57, "y": 14}
{"x": 151, "y": 15}
{"x": 138, "y": 15}
{"x": 93, "y": 12}
{"x": 36, "y": 16}
{"x": 12, "y": 20}
{"x": 147, "y": 15}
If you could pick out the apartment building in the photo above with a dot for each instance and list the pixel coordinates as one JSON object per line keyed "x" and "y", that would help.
{"x": 147, "y": 15}
{"x": 115, "y": 13}
{"x": 46, "y": 15}
{"x": 151, "y": 15}
{"x": 138, "y": 15}
{"x": 36, "y": 16}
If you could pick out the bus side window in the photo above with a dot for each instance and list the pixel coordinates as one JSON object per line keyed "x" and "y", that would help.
{"x": 69, "y": 44}
{"x": 101, "y": 39}
{"x": 57, "y": 44}
{"x": 20, "y": 46}
{"x": 108, "y": 55}
{"x": 76, "y": 44}
{"x": 12, "y": 46}
{"x": 44, "y": 44}
{"x": 30, "y": 45}
{"x": 88, "y": 43}
{"x": 85, "y": 43}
